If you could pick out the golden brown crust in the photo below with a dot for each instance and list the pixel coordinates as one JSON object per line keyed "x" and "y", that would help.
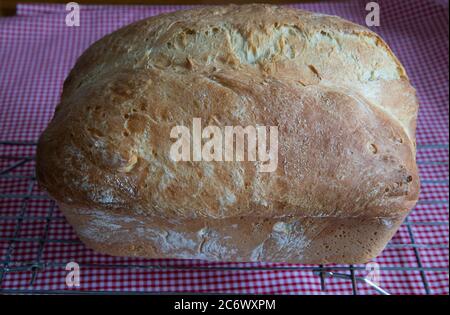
{"x": 343, "y": 103}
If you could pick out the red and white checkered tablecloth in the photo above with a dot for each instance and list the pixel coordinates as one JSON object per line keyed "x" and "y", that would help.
{"x": 37, "y": 50}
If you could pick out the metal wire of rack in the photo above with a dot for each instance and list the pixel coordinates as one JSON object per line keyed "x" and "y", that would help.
{"x": 36, "y": 265}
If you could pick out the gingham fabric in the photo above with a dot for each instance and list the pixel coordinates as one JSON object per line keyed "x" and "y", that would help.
{"x": 37, "y": 50}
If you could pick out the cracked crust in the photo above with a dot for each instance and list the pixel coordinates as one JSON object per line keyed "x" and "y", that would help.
{"x": 343, "y": 103}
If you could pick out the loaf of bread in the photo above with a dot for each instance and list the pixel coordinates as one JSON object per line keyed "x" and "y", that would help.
{"x": 345, "y": 175}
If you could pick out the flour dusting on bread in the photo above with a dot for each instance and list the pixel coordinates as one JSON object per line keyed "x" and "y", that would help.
{"x": 342, "y": 102}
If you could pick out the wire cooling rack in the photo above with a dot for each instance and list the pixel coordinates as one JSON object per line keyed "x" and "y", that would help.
{"x": 30, "y": 229}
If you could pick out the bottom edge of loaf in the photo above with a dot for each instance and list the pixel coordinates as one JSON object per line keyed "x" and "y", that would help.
{"x": 304, "y": 240}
